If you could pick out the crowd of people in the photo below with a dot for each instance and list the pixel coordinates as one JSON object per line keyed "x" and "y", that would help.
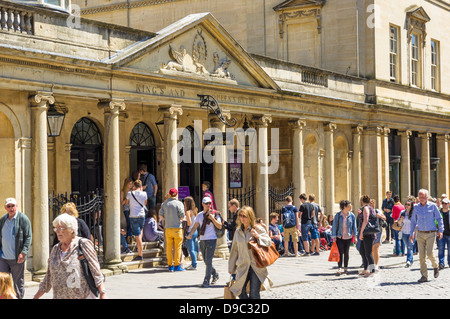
{"x": 188, "y": 233}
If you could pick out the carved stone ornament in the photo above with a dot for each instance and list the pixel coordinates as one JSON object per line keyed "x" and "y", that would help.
{"x": 194, "y": 64}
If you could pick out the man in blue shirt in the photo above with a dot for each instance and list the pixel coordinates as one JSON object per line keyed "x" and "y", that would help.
{"x": 424, "y": 217}
{"x": 15, "y": 241}
{"x": 149, "y": 186}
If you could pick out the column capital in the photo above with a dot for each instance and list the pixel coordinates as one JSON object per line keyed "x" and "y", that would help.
{"x": 329, "y": 127}
{"x": 41, "y": 98}
{"x": 378, "y": 130}
{"x": 215, "y": 120}
{"x": 443, "y": 137}
{"x": 425, "y": 135}
{"x": 262, "y": 120}
{"x": 172, "y": 110}
{"x": 297, "y": 124}
{"x": 386, "y": 131}
{"x": 358, "y": 129}
{"x": 112, "y": 105}
{"x": 405, "y": 133}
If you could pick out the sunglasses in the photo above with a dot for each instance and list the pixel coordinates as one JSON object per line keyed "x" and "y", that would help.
{"x": 10, "y": 206}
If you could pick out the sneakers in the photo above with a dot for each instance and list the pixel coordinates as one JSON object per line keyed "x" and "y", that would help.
{"x": 179, "y": 268}
{"x": 171, "y": 268}
{"x": 315, "y": 254}
{"x": 408, "y": 264}
{"x": 138, "y": 258}
{"x": 214, "y": 279}
{"x": 190, "y": 267}
{"x": 205, "y": 284}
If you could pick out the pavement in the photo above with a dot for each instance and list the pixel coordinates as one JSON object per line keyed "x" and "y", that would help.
{"x": 292, "y": 278}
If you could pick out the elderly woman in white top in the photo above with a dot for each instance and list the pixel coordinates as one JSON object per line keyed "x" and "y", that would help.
{"x": 64, "y": 273}
{"x": 242, "y": 262}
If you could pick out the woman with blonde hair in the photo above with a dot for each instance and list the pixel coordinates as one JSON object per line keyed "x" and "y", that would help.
{"x": 6, "y": 286}
{"x": 241, "y": 262}
{"x": 83, "y": 229}
{"x": 192, "y": 243}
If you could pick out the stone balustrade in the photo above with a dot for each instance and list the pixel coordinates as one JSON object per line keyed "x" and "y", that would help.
{"x": 16, "y": 20}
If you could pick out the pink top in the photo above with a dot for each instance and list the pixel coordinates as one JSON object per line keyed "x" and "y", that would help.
{"x": 396, "y": 210}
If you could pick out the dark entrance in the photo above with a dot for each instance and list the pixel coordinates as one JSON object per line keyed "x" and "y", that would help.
{"x": 193, "y": 174}
{"x": 86, "y": 158}
{"x": 143, "y": 148}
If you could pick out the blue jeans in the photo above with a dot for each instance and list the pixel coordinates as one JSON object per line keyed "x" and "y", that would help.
{"x": 399, "y": 245}
{"x": 192, "y": 247}
{"x": 409, "y": 248}
{"x": 255, "y": 286}
{"x": 207, "y": 247}
{"x": 441, "y": 245}
{"x": 127, "y": 218}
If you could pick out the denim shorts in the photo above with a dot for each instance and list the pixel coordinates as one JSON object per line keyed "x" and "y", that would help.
{"x": 137, "y": 225}
{"x": 309, "y": 228}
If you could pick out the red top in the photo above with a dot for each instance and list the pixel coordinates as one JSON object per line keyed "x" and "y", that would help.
{"x": 396, "y": 210}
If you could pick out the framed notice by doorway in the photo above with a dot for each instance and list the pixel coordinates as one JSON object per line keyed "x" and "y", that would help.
{"x": 235, "y": 169}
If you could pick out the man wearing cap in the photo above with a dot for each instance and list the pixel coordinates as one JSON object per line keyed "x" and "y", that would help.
{"x": 15, "y": 241}
{"x": 445, "y": 240}
{"x": 172, "y": 213}
{"x": 207, "y": 221}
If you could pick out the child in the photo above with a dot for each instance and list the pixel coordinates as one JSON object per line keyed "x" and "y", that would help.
{"x": 6, "y": 287}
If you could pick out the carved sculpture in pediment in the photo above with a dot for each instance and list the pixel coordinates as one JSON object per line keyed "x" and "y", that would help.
{"x": 183, "y": 62}
{"x": 221, "y": 67}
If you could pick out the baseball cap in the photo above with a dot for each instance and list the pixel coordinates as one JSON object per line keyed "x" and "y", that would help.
{"x": 173, "y": 192}
{"x": 206, "y": 200}
{"x": 446, "y": 200}
{"x": 10, "y": 200}
{"x": 444, "y": 195}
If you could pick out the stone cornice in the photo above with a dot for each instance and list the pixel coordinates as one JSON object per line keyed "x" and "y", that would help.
{"x": 124, "y": 5}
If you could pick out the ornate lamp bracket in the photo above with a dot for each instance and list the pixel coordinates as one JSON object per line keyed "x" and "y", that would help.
{"x": 211, "y": 103}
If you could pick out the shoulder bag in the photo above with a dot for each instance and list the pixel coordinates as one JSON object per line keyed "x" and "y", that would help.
{"x": 86, "y": 271}
{"x": 372, "y": 227}
{"x": 264, "y": 256}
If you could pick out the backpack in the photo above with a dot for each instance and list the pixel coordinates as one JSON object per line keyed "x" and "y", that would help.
{"x": 288, "y": 216}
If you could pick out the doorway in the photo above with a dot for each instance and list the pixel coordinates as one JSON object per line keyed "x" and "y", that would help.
{"x": 86, "y": 158}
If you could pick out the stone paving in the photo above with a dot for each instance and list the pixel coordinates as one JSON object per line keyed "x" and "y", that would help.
{"x": 309, "y": 277}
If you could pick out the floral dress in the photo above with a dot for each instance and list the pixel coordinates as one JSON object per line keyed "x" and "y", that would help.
{"x": 65, "y": 274}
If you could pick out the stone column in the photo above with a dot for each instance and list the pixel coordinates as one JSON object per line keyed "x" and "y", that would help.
{"x": 443, "y": 169}
{"x": 329, "y": 130}
{"x": 169, "y": 158}
{"x": 372, "y": 168}
{"x": 385, "y": 159}
{"x": 405, "y": 165}
{"x": 220, "y": 181}
{"x": 298, "y": 158}
{"x": 262, "y": 208}
{"x": 112, "y": 183}
{"x": 356, "y": 166}
{"x": 425, "y": 179}
{"x": 40, "y": 220}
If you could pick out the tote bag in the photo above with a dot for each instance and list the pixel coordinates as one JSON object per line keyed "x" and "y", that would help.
{"x": 334, "y": 253}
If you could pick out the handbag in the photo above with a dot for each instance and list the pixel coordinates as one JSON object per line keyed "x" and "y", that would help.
{"x": 227, "y": 294}
{"x": 86, "y": 271}
{"x": 397, "y": 226}
{"x": 264, "y": 256}
{"x": 334, "y": 253}
{"x": 372, "y": 227}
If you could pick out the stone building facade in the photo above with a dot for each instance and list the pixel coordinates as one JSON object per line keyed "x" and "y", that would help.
{"x": 339, "y": 112}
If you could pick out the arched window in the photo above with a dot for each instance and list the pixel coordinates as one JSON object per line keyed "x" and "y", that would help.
{"x": 85, "y": 132}
{"x": 141, "y": 136}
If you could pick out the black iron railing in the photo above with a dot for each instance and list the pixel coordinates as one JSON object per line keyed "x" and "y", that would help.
{"x": 90, "y": 209}
{"x": 277, "y": 197}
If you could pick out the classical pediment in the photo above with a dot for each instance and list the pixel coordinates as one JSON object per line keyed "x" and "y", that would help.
{"x": 294, "y": 4}
{"x": 196, "y": 48}
{"x": 418, "y": 13}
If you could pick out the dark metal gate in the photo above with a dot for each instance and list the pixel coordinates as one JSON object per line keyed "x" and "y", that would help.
{"x": 277, "y": 197}
{"x": 90, "y": 209}
{"x": 245, "y": 196}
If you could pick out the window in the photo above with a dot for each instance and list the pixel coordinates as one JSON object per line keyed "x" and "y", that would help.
{"x": 394, "y": 54}
{"x": 435, "y": 77}
{"x": 415, "y": 60}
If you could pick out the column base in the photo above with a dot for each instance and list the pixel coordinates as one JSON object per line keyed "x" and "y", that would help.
{"x": 222, "y": 251}
{"x": 114, "y": 267}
